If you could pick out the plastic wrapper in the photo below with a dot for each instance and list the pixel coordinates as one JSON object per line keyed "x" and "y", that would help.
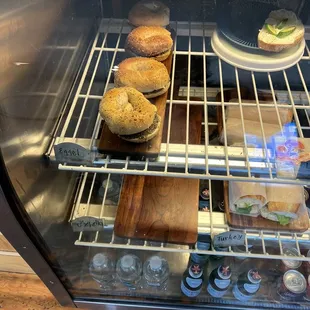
{"x": 253, "y": 132}
{"x": 247, "y": 198}
{"x": 284, "y": 202}
{"x": 269, "y": 114}
{"x": 285, "y": 193}
{"x": 302, "y": 163}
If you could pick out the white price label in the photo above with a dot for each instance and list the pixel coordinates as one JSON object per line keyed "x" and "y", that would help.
{"x": 87, "y": 223}
{"x": 71, "y": 152}
{"x": 229, "y": 238}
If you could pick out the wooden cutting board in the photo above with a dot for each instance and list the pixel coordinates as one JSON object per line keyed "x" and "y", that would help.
{"x": 112, "y": 144}
{"x": 158, "y": 208}
{"x": 237, "y": 221}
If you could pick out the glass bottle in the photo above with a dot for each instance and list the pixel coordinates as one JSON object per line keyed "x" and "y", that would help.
{"x": 203, "y": 243}
{"x": 247, "y": 285}
{"x": 192, "y": 281}
{"x": 219, "y": 281}
{"x": 113, "y": 190}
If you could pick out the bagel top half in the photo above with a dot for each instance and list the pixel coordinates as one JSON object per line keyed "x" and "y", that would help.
{"x": 149, "y": 13}
{"x": 149, "y": 41}
{"x": 126, "y": 111}
{"x": 147, "y": 75}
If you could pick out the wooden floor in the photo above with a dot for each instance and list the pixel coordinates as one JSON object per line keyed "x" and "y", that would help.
{"x": 25, "y": 291}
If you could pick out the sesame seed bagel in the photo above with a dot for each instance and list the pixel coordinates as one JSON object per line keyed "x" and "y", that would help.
{"x": 126, "y": 111}
{"x": 149, "y": 13}
{"x": 154, "y": 42}
{"x": 148, "y": 76}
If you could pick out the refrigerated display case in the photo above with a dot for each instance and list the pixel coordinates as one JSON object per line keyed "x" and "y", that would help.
{"x": 61, "y": 196}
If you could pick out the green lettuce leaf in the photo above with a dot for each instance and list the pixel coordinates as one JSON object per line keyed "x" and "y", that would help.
{"x": 246, "y": 210}
{"x": 283, "y": 220}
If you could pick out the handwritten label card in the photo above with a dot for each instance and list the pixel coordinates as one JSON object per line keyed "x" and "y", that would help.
{"x": 72, "y": 153}
{"x": 87, "y": 223}
{"x": 229, "y": 238}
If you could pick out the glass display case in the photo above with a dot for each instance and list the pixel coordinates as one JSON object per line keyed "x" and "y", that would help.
{"x": 212, "y": 212}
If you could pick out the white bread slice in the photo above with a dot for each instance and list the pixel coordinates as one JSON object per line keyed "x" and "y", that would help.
{"x": 273, "y": 43}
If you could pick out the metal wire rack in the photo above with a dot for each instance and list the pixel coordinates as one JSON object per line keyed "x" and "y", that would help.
{"x": 268, "y": 244}
{"x": 203, "y": 161}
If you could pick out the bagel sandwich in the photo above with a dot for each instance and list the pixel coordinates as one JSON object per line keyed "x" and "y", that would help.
{"x": 148, "y": 76}
{"x": 149, "y": 13}
{"x": 145, "y": 135}
{"x": 149, "y": 41}
{"x": 130, "y": 115}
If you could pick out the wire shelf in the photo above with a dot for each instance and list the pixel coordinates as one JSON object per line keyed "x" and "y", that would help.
{"x": 206, "y": 161}
{"x": 268, "y": 244}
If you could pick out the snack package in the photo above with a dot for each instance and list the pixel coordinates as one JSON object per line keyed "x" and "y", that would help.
{"x": 247, "y": 198}
{"x": 303, "y": 161}
{"x": 292, "y": 154}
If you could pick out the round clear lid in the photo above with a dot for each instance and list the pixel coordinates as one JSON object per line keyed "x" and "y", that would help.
{"x": 106, "y": 184}
{"x": 127, "y": 261}
{"x": 155, "y": 263}
{"x": 99, "y": 260}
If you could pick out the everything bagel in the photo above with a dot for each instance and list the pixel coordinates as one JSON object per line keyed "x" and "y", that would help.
{"x": 148, "y": 76}
{"x": 127, "y": 112}
{"x": 153, "y": 42}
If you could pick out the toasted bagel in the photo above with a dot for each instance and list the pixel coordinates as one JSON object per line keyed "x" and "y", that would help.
{"x": 154, "y": 42}
{"x": 145, "y": 135}
{"x": 148, "y": 76}
{"x": 149, "y": 13}
{"x": 126, "y": 111}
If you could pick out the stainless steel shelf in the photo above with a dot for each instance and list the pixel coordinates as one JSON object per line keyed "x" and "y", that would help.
{"x": 268, "y": 244}
{"x": 198, "y": 161}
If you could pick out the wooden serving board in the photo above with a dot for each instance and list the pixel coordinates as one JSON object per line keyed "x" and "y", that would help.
{"x": 237, "y": 221}
{"x": 112, "y": 144}
{"x": 158, "y": 208}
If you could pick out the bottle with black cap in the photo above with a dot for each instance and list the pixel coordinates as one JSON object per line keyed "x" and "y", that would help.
{"x": 192, "y": 281}
{"x": 219, "y": 281}
{"x": 247, "y": 285}
{"x": 203, "y": 243}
